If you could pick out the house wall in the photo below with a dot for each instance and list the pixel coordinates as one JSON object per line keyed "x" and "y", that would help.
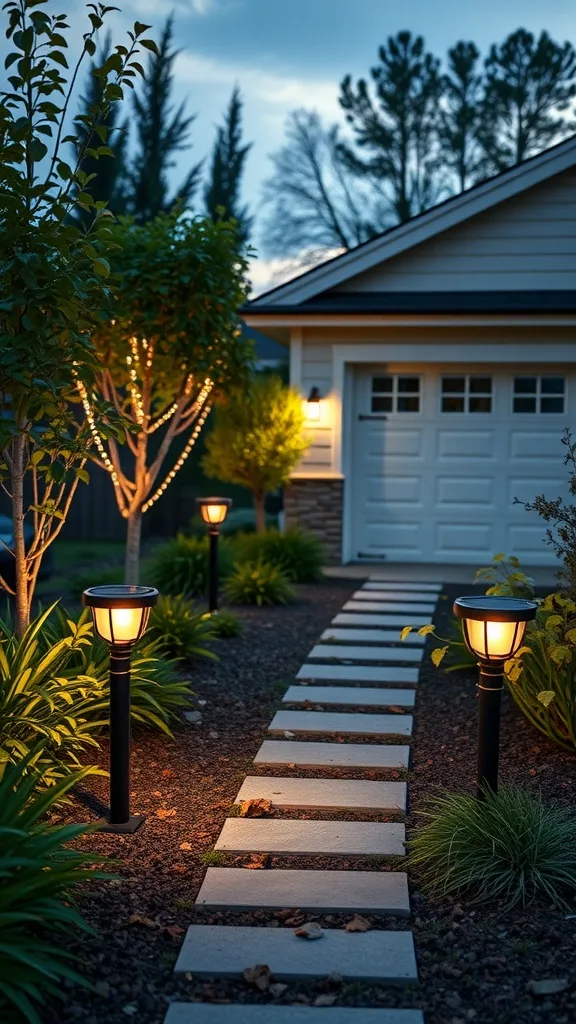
{"x": 528, "y": 242}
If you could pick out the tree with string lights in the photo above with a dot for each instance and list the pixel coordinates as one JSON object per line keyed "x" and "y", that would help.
{"x": 171, "y": 344}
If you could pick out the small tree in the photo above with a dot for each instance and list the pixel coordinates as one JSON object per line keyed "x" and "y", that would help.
{"x": 52, "y": 272}
{"x": 257, "y": 439}
{"x": 172, "y": 343}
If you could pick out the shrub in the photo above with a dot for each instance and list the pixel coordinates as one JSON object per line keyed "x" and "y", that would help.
{"x": 43, "y": 698}
{"x": 509, "y": 846}
{"x": 297, "y": 554}
{"x": 80, "y": 581}
{"x": 226, "y": 624}
{"x": 258, "y": 583}
{"x": 180, "y": 630}
{"x": 181, "y": 566}
{"x": 37, "y": 873}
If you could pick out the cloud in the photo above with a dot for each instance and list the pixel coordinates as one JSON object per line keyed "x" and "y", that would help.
{"x": 184, "y": 8}
{"x": 267, "y": 274}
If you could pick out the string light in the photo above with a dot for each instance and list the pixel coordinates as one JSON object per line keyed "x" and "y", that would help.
{"x": 95, "y": 433}
{"x": 178, "y": 465}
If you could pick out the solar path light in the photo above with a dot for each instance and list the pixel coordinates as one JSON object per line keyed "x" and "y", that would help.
{"x": 493, "y": 629}
{"x": 213, "y": 512}
{"x": 120, "y": 615}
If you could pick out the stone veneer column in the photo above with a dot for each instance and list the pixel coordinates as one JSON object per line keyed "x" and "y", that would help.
{"x": 316, "y": 506}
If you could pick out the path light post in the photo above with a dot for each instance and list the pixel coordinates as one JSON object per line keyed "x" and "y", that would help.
{"x": 120, "y": 615}
{"x": 493, "y": 629}
{"x": 213, "y": 512}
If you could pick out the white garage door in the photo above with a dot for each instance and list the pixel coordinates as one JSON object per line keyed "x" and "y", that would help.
{"x": 439, "y": 456}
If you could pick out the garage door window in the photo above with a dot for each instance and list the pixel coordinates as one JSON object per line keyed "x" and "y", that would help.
{"x": 395, "y": 393}
{"x": 466, "y": 393}
{"x": 539, "y": 394}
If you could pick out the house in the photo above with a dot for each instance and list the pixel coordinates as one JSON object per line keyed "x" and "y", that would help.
{"x": 444, "y": 353}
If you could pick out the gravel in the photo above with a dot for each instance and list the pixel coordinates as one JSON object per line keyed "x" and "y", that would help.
{"x": 476, "y": 964}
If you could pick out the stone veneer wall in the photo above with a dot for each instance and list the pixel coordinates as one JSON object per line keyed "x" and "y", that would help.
{"x": 316, "y": 506}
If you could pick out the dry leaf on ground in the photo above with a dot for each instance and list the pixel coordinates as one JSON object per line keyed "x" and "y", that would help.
{"x": 164, "y": 812}
{"x": 185, "y": 846}
{"x": 259, "y": 861}
{"x": 311, "y": 930}
{"x": 324, "y": 1000}
{"x": 255, "y": 808}
{"x": 259, "y": 975}
{"x": 141, "y": 919}
{"x": 357, "y": 924}
{"x": 277, "y": 989}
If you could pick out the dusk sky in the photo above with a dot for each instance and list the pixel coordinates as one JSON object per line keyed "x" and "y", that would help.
{"x": 286, "y": 54}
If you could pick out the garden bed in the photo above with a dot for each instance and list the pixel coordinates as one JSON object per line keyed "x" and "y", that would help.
{"x": 475, "y": 964}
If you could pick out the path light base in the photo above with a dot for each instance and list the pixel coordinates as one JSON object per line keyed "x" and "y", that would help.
{"x": 124, "y": 828}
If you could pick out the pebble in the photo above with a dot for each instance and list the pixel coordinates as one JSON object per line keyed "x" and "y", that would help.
{"x": 547, "y": 986}
{"x": 193, "y": 717}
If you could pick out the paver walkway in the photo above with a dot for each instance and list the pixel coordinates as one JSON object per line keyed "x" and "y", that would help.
{"x": 367, "y": 630}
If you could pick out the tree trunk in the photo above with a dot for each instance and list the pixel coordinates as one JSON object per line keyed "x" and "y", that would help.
{"x": 133, "y": 535}
{"x": 20, "y": 573}
{"x": 260, "y": 511}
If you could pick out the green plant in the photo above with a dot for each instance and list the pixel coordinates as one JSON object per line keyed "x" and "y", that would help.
{"x": 52, "y": 272}
{"x": 212, "y": 858}
{"x": 38, "y": 873}
{"x": 43, "y": 698}
{"x": 181, "y": 566}
{"x": 297, "y": 554}
{"x": 80, "y": 581}
{"x": 509, "y": 846}
{"x": 257, "y": 439}
{"x": 180, "y": 630}
{"x": 226, "y": 624}
{"x": 258, "y": 583}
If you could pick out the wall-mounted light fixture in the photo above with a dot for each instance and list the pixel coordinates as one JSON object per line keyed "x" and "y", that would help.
{"x": 313, "y": 404}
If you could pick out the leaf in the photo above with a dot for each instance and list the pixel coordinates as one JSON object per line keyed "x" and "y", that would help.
{"x": 571, "y": 636}
{"x": 552, "y": 621}
{"x": 357, "y": 924}
{"x": 546, "y": 697}
{"x": 426, "y": 630}
{"x": 37, "y": 150}
{"x": 255, "y": 808}
{"x": 149, "y": 44}
{"x": 405, "y": 632}
{"x": 164, "y": 813}
{"x": 438, "y": 655}
{"x": 560, "y": 654}
{"x": 311, "y": 930}
{"x": 101, "y": 267}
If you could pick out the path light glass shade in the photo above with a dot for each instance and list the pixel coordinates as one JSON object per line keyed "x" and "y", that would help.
{"x": 313, "y": 404}
{"x": 494, "y": 627}
{"x": 214, "y": 510}
{"x": 120, "y": 612}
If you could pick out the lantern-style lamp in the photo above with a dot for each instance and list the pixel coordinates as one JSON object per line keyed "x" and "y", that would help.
{"x": 493, "y": 629}
{"x": 120, "y": 615}
{"x": 313, "y": 405}
{"x": 213, "y": 512}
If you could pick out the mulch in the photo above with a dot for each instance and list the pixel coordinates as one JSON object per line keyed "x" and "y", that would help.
{"x": 475, "y": 963}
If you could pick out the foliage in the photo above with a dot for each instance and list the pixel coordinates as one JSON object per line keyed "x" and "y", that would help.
{"x": 258, "y": 583}
{"x": 43, "y": 708}
{"x": 257, "y": 439}
{"x": 80, "y": 581}
{"x": 52, "y": 272}
{"x": 461, "y": 115}
{"x": 222, "y": 193}
{"x": 181, "y": 566}
{"x": 38, "y": 873}
{"x": 509, "y": 846}
{"x": 561, "y": 515}
{"x": 172, "y": 343}
{"x": 161, "y": 133}
{"x": 180, "y": 630}
{"x": 299, "y": 555}
{"x": 226, "y": 624}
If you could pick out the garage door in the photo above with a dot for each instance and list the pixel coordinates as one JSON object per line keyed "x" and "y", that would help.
{"x": 439, "y": 456}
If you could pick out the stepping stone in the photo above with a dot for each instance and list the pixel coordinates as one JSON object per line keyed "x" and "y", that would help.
{"x": 269, "y": 1013}
{"x": 327, "y": 652}
{"x": 320, "y": 892}
{"x": 344, "y": 724}
{"x": 393, "y": 595}
{"x": 352, "y": 695}
{"x": 371, "y": 636}
{"x": 368, "y": 604}
{"x": 333, "y": 838}
{"x": 380, "y": 583}
{"x": 363, "y": 617}
{"x": 325, "y": 794}
{"x": 224, "y": 951}
{"x": 360, "y": 673}
{"x": 332, "y": 755}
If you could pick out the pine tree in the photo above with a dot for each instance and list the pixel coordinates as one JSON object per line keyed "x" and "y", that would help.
{"x": 222, "y": 193}
{"x": 461, "y": 114}
{"x": 398, "y": 129}
{"x": 530, "y": 85}
{"x": 161, "y": 132}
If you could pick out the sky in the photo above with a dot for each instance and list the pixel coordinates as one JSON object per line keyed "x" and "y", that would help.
{"x": 286, "y": 54}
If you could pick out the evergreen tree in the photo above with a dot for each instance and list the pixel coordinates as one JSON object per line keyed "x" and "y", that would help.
{"x": 398, "y": 130}
{"x": 460, "y": 115}
{"x": 222, "y": 192}
{"x": 530, "y": 85}
{"x": 161, "y": 132}
{"x": 109, "y": 181}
